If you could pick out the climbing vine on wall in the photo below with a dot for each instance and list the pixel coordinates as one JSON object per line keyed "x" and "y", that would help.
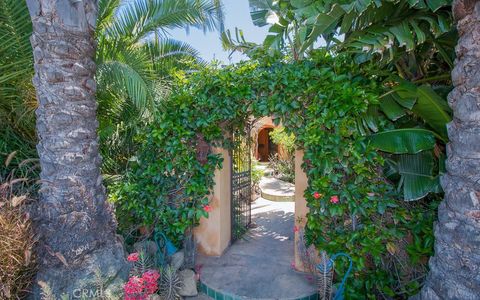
{"x": 324, "y": 102}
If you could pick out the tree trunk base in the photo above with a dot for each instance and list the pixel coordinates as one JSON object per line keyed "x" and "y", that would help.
{"x": 100, "y": 275}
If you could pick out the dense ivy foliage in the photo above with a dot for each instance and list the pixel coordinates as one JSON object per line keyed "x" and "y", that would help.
{"x": 323, "y": 102}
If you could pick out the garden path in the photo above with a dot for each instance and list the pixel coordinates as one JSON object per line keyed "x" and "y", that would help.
{"x": 259, "y": 266}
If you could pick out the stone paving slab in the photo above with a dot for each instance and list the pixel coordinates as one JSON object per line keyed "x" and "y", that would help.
{"x": 277, "y": 190}
{"x": 259, "y": 266}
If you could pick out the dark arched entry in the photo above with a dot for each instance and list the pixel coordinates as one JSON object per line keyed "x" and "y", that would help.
{"x": 266, "y": 147}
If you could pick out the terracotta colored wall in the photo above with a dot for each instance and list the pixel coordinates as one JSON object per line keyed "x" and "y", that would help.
{"x": 301, "y": 209}
{"x": 213, "y": 234}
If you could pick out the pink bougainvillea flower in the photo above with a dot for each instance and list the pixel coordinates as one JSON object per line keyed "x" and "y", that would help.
{"x": 296, "y": 229}
{"x": 334, "y": 199}
{"x": 134, "y": 289}
{"x": 207, "y": 208}
{"x": 150, "y": 278}
{"x": 317, "y": 195}
{"x": 133, "y": 257}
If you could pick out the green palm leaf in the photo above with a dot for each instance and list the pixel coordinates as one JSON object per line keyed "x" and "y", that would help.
{"x": 122, "y": 76}
{"x": 17, "y": 95}
{"x": 140, "y": 18}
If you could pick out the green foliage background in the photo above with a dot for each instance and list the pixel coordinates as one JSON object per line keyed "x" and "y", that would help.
{"x": 322, "y": 101}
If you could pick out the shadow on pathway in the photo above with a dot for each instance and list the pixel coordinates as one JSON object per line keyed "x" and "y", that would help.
{"x": 259, "y": 266}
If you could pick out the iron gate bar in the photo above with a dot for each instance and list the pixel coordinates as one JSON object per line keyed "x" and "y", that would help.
{"x": 241, "y": 187}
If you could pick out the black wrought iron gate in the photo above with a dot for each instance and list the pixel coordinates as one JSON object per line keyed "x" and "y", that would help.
{"x": 241, "y": 183}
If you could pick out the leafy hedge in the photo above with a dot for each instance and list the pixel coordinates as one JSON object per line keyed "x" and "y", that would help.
{"x": 324, "y": 102}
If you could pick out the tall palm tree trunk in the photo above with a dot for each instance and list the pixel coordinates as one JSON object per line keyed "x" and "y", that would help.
{"x": 455, "y": 267}
{"x": 75, "y": 223}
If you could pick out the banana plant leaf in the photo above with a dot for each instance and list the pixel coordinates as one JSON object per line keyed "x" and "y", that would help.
{"x": 417, "y": 178}
{"x": 433, "y": 109}
{"x": 403, "y": 141}
{"x": 391, "y": 108}
{"x": 424, "y": 102}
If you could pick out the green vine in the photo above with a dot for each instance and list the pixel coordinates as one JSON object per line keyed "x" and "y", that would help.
{"x": 324, "y": 102}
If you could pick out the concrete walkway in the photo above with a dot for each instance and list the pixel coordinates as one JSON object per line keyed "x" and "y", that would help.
{"x": 277, "y": 190}
{"x": 260, "y": 265}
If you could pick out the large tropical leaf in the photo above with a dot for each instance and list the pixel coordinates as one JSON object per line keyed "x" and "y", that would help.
{"x": 391, "y": 108}
{"x": 263, "y": 12}
{"x": 417, "y": 178}
{"x": 423, "y": 102}
{"x": 399, "y": 141}
{"x": 433, "y": 109}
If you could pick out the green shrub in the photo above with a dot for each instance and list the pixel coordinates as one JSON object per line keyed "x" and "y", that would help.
{"x": 282, "y": 168}
{"x": 284, "y": 139}
{"x": 327, "y": 104}
{"x": 257, "y": 175}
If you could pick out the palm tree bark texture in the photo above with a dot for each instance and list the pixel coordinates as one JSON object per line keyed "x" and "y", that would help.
{"x": 455, "y": 267}
{"x": 74, "y": 221}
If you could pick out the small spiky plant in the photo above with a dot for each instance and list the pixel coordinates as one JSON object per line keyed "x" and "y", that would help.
{"x": 324, "y": 278}
{"x": 143, "y": 264}
{"x": 170, "y": 284}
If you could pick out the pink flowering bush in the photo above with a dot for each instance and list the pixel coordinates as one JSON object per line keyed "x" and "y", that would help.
{"x": 133, "y": 257}
{"x": 140, "y": 285}
{"x": 139, "y": 288}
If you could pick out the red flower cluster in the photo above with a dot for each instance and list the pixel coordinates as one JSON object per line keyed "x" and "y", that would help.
{"x": 207, "y": 208}
{"x": 334, "y": 199}
{"x": 151, "y": 281}
{"x": 317, "y": 195}
{"x": 133, "y": 257}
{"x": 139, "y": 288}
{"x": 134, "y": 289}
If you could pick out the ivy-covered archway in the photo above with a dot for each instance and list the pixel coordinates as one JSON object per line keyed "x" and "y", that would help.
{"x": 326, "y": 102}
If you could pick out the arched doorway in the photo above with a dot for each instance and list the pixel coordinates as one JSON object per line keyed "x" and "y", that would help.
{"x": 266, "y": 147}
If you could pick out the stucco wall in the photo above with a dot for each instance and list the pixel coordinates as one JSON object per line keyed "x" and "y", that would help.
{"x": 213, "y": 234}
{"x": 301, "y": 208}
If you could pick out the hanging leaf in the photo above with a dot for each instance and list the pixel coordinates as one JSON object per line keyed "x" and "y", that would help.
{"x": 391, "y": 108}
{"x": 403, "y": 35}
{"x": 405, "y": 94}
{"x": 434, "y": 5}
{"x": 324, "y": 24}
{"x": 417, "y": 175}
{"x": 433, "y": 109}
{"x": 398, "y": 141}
{"x": 421, "y": 36}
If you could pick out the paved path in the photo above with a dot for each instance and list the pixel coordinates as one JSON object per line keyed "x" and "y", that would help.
{"x": 259, "y": 266}
{"x": 277, "y": 190}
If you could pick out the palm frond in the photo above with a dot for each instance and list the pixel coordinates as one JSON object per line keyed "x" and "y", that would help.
{"x": 106, "y": 13}
{"x": 138, "y": 19}
{"x": 120, "y": 76}
{"x": 17, "y": 95}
